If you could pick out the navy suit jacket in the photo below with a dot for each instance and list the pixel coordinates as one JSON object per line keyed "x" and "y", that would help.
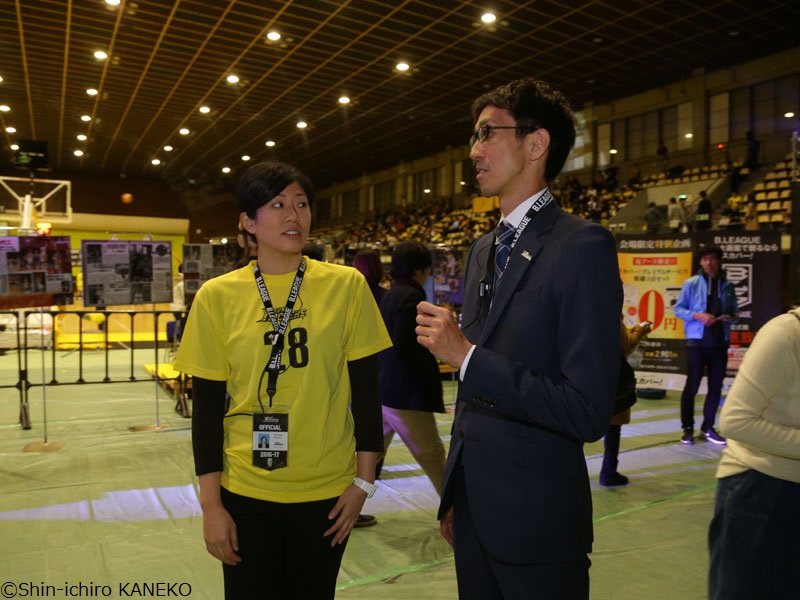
{"x": 540, "y": 383}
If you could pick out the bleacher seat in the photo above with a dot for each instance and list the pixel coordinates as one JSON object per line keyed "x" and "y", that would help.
{"x": 762, "y": 207}
{"x": 759, "y": 186}
{"x": 775, "y": 206}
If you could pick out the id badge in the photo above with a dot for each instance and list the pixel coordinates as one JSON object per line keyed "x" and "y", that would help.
{"x": 271, "y": 439}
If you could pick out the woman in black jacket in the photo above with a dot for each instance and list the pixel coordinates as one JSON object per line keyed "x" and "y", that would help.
{"x": 411, "y": 390}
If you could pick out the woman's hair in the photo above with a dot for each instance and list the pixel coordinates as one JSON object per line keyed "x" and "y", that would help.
{"x": 369, "y": 263}
{"x": 265, "y": 180}
{"x": 409, "y": 257}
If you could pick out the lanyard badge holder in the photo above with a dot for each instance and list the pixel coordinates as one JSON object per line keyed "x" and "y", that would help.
{"x": 271, "y": 425}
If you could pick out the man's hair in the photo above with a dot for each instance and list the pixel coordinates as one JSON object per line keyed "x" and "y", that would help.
{"x": 534, "y": 104}
{"x": 368, "y": 262}
{"x": 409, "y": 257}
{"x": 706, "y": 250}
{"x": 265, "y": 180}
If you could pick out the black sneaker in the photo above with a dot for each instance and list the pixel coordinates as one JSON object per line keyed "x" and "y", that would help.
{"x": 613, "y": 480}
{"x": 712, "y": 436}
{"x": 688, "y": 437}
{"x": 366, "y": 521}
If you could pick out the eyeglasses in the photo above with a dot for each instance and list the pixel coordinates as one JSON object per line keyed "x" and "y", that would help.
{"x": 485, "y": 131}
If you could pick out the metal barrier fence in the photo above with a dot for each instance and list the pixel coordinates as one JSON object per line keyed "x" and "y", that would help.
{"x": 50, "y": 331}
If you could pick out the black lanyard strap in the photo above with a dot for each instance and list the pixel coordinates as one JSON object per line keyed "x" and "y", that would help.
{"x": 540, "y": 203}
{"x": 273, "y": 367}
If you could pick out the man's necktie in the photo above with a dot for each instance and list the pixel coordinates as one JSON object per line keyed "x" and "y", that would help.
{"x": 505, "y": 235}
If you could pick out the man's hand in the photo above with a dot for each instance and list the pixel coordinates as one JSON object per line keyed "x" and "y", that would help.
{"x": 446, "y": 526}
{"x": 438, "y": 331}
{"x": 706, "y": 319}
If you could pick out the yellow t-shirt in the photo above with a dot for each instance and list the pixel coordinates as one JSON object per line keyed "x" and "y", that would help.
{"x": 334, "y": 320}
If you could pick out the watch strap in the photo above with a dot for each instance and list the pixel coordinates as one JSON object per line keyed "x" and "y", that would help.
{"x": 369, "y": 488}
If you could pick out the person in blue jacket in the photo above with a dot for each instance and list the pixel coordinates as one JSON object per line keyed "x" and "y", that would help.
{"x": 707, "y": 304}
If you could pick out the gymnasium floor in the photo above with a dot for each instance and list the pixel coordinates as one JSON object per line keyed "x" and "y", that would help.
{"x": 115, "y": 507}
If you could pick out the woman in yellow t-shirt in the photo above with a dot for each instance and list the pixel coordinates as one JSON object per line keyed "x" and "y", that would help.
{"x": 279, "y": 350}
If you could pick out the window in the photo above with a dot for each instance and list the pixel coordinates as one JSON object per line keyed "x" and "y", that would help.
{"x": 719, "y": 119}
{"x": 384, "y": 194}
{"x": 424, "y": 180}
{"x": 350, "y": 203}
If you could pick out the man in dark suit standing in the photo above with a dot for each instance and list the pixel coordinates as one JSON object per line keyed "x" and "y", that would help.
{"x": 538, "y": 358}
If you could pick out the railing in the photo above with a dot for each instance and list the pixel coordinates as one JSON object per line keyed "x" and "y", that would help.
{"x": 83, "y": 330}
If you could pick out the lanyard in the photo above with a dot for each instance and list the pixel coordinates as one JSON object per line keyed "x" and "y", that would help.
{"x": 274, "y": 365}
{"x": 542, "y": 201}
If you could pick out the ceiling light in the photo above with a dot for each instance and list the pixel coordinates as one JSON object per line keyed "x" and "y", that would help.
{"x": 232, "y": 78}
{"x": 204, "y": 109}
{"x": 183, "y": 131}
{"x": 302, "y": 124}
{"x": 226, "y": 169}
{"x": 4, "y": 108}
{"x": 689, "y": 136}
{"x": 597, "y": 39}
{"x": 85, "y": 118}
{"x": 612, "y": 151}
{"x": 10, "y": 130}
{"x": 273, "y": 36}
{"x": 14, "y": 147}
{"x": 488, "y": 18}
{"x": 112, "y": 2}
{"x": 788, "y": 115}
{"x": 91, "y": 92}
{"x": 82, "y": 137}
{"x": 269, "y": 143}
{"x": 1, "y": 78}
{"x": 100, "y": 55}
{"x": 245, "y": 157}
{"x": 78, "y": 153}
{"x": 401, "y": 66}
{"x": 167, "y": 148}
{"x": 344, "y": 100}
{"x": 155, "y": 161}
{"x": 426, "y": 191}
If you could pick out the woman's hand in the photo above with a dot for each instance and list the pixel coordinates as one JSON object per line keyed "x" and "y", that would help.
{"x": 345, "y": 513}
{"x": 219, "y": 531}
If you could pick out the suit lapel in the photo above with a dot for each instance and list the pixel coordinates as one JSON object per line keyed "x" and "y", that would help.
{"x": 523, "y": 258}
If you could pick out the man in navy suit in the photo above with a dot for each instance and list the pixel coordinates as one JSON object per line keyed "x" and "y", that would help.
{"x": 538, "y": 357}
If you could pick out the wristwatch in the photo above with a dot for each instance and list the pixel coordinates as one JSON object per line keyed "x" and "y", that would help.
{"x": 369, "y": 488}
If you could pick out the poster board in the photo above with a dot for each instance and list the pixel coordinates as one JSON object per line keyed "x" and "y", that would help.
{"x": 448, "y": 276}
{"x": 202, "y": 262}
{"x": 653, "y": 270}
{"x": 124, "y": 272}
{"x": 35, "y": 271}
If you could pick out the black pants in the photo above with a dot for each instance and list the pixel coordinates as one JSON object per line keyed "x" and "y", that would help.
{"x": 482, "y": 577}
{"x": 284, "y": 554}
{"x": 698, "y": 358}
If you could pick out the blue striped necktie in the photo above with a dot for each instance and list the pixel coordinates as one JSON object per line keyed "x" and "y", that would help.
{"x": 504, "y": 236}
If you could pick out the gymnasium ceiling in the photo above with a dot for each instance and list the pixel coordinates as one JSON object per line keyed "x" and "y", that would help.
{"x": 167, "y": 58}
